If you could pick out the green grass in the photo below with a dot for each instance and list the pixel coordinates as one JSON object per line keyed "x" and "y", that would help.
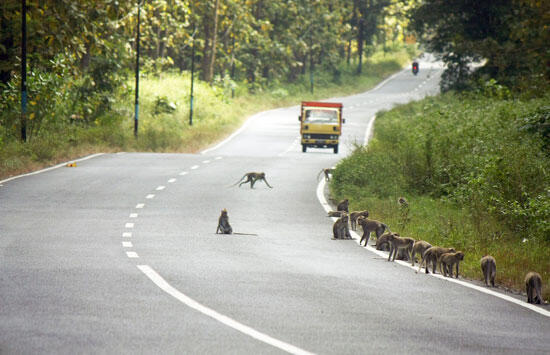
{"x": 475, "y": 179}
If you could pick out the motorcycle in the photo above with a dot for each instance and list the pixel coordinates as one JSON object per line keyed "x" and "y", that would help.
{"x": 415, "y": 68}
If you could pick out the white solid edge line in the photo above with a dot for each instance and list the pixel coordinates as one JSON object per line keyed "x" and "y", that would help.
{"x": 166, "y": 287}
{"x": 51, "y": 168}
{"x": 326, "y": 206}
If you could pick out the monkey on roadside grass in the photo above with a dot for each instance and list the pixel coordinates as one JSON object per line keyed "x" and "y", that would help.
{"x": 343, "y": 206}
{"x": 353, "y": 217}
{"x": 533, "y": 285}
{"x": 328, "y": 173}
{"x": 432, "y": 255}
{"x": 420, "y": 246}
{"x": 370, "y": 225}
{"x": 402, "y": 202}
{"x": 340, "y": 228}
{"x": 223, "y": 224}
{"x": 489, "y": 268}
{"x": 251, "y": 178}
{"x": 448, "y": 260}
{"x": 400, "y": 243}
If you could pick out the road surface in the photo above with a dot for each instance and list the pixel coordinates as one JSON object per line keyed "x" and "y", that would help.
{"x": 119, "y": 255}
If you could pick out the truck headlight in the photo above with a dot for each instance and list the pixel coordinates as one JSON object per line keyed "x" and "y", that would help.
{"x": 307, "y": 136}
{"x": 333, "y": 137}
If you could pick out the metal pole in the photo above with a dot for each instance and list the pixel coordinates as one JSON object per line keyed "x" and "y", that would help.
{"x": 24, "y": 71}
{"x": 233, "y": 66}
{"x": 192, "y": 79}
{"x": 136, "y": 115}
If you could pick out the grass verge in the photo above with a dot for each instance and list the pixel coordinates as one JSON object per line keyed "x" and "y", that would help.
{"x": 475, "y": 174}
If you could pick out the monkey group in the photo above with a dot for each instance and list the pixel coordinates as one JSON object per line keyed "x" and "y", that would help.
{"x": 445, "y": 259}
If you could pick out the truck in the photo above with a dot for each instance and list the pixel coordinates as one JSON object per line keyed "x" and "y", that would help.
{"x": 321, "y": 124}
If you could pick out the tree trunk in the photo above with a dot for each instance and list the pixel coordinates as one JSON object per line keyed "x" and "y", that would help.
{"x": 360, "y": 41}
{"x": 211, "y": 37}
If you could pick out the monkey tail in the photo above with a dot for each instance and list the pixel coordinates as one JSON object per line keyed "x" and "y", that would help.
{"x": 386, "y": 226}
{"x": 241, "y": 179}
{"x": 237, "y": 233}
{"x": 320, "y": 172}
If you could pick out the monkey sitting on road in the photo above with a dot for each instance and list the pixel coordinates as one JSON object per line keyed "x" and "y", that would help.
{"x": 223, "y": 224}
{"x": 370, "y": 225}
{"x": 251, "y": 178}
{"x": 400, "y": 243}
{"x": 356, "y": 214}
{"x": 432, "y": 255}
{"x": 448, "y": 260}
{"x": 343, "y": 206}
{"x": 340, "y": 228}
{"x": 420, "y": 246}
{"x": 489, "y": 268}
{"x": 533, "y": 285}
{"x": 327, "y": 171}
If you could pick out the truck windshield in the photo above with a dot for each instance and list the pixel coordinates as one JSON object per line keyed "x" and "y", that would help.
{"x": 321, "y": 116}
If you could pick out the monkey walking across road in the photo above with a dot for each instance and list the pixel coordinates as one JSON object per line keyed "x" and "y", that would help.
{"x": 251, "y": 178}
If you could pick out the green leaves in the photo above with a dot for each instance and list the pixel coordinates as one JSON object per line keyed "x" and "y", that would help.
{"x": 468, "y": 150}
{"x": 507, "y": 36}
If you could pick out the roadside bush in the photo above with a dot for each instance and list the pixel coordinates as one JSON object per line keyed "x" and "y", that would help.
{"x": 475, "y": 171}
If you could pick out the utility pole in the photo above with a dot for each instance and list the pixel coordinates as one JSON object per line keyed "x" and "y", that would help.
{"x": 24, "y": 71}
{"x": 233, "y": 66}
{"x": 136, "y": 114}
{"x": 192, "y": 77}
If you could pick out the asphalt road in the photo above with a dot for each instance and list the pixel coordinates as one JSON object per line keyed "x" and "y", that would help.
{"x": 119, "y": 255}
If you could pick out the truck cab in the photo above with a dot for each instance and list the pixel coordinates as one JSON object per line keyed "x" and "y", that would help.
{"x": 320, "y": 124}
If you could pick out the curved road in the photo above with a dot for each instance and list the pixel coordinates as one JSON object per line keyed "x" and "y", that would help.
{"x": 119, "y": 255}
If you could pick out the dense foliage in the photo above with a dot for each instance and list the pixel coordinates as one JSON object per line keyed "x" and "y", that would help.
{"x": 482, "y": 155}
{"x": 510, "y": 38}
{"x": 475, "y": 170}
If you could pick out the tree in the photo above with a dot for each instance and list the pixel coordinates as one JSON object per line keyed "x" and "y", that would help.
{"x": 464, "y": 31}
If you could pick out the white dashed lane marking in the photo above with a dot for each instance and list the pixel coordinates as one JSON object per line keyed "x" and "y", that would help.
{"x": 161, "y": 283}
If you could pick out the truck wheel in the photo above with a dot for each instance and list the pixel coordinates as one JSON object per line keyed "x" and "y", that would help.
{"x": 304, "y": 148}
{"x": 335, "y": 149}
